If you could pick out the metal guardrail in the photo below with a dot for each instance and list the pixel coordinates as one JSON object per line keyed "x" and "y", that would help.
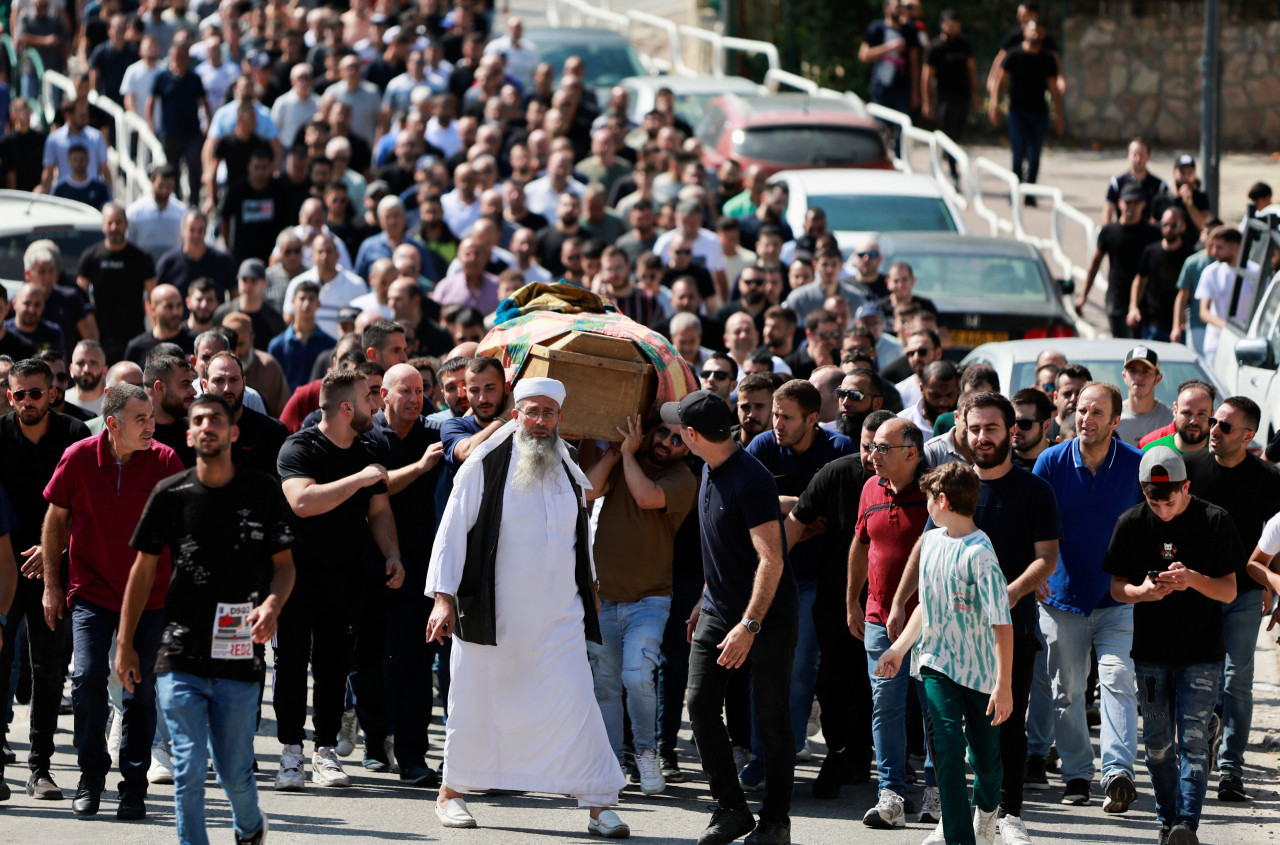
{"x": 972, "y": 170}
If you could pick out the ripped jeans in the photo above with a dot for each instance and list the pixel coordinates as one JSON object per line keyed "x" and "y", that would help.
{"x": 1176, "y": 703}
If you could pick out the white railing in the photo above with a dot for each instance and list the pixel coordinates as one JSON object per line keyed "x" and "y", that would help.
{"x": 972, "y": 170}
{"x": 131, "y": 132}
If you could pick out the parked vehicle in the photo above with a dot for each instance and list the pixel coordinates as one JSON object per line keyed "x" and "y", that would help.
{"x": 27, "y": 217}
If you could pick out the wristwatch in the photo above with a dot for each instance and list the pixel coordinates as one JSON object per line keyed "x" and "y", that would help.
{"x": 751, "y": 625}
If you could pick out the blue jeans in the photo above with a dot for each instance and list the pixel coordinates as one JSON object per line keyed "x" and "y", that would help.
{"x": 217, "y": 714}
{"x": 1181, "y": 698}
{"x": 628, "y": 659}
{"x": 1240, "y": 621}
{"x": 1153, "y": 332}
{"x": 1069, "y": 636}
{"x": 804, "y": 673}
{"x": 1026, "y": 135}
{"x": 1040, "y": 711}
{"x": 93, "y": 630}
{"x": 889, "y": 714}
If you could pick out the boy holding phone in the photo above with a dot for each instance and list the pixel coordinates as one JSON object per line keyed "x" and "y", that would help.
{"x": 1173, "y": 557}
{"x": 965, "y": 654}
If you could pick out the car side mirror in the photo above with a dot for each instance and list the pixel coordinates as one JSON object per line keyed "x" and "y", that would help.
{"x": 1255, "y": 352}
{"x": 1067, "y": 286}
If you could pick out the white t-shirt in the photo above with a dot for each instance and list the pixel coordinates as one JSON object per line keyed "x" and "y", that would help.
{"x": 707, "y": 247}
{"x": 1215, "y": 286}
{"x": 1269, "y": 542}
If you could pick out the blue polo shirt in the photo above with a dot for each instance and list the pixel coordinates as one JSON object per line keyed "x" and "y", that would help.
{"x": 737, "y": 496}
{"x": 792, "y": 471}
{"x": 296, "y": 356}
{"x": 1090, "y": 505}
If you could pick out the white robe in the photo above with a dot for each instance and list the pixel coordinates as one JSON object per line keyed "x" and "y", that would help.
{"x": 523, "y": 714}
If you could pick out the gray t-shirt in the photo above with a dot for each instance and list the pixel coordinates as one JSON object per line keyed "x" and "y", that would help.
{"x": 1133, "y": 427}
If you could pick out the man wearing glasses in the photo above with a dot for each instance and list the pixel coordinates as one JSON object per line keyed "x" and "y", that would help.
{"x": 823, "y": 347}
{"x": 719, "y": 375}
{"x": 857, "y": 396}
{"x": 647, "y": 491}
{"x": 751, "y": 300}
{"x": 864, "y": 266}
{"x": 1032, "y": 411}
{"x": 922, "y": 349}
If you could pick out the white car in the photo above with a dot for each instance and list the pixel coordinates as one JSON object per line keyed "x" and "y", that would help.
{"x": 692, "y": 93}
{"x": 27, "y": 217}
{"x": 863, "y": 202}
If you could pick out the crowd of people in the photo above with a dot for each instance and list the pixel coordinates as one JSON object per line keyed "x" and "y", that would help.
{"x": 264, "y": 389}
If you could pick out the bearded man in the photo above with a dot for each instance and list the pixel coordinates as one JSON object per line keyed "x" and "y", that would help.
{"x": 334, "y": 484}
{"x": 522, "y": 707}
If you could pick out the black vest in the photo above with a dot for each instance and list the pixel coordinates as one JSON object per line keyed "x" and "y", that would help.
{"x": 475, "y": 603}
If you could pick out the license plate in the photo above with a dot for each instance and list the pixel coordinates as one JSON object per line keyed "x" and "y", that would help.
{"x": 970, "y": 337}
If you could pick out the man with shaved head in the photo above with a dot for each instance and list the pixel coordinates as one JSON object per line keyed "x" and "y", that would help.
{"x": 165, "y": 308}
{"x": 28, "y": 319}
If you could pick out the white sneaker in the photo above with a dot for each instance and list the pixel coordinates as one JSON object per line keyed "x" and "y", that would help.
{"x": 326, "y": 770}
{"x": 161, "y": 770}
{"x": 609, "y": 825}
{"x": 931, "y": 806}
{"x": 888, "y": 812}
{"x": 741, "y": 757}
{"x": 984, "y": 826}
{"x": 815, "y": 719}
{"x": 1013, "y": 831}
{"x": 938, "y": 837}
{"x": 805, "y": 755}
{"x": 289, "y": 778}
{"x": 115, "y": 737}
{"x": 651, "y": 780}
{"x": 347, "y": 734}
{"x": 454, "y": 813}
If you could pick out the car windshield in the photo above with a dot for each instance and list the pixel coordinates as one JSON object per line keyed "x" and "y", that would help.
{"x": 606, "y": 64}
{"x": 876, "y": 213}
{"x": 989, "y": 277}
{"x": 819, "y": 146}
{"x": 70, "y": 241}
{"x": 1174, "y": 372}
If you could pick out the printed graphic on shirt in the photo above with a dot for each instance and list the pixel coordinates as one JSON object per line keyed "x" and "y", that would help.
{"x": 232, "y": 637}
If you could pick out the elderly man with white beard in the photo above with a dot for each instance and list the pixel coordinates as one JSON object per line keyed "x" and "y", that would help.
{"x": 512, "y": 576}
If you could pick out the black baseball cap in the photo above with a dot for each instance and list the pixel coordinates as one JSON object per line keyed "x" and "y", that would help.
{"x": 702, "y": 410}
{"x": 1133, "y": 193}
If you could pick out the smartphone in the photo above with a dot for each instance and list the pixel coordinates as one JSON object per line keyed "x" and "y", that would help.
{"x": 1154, "y": 575}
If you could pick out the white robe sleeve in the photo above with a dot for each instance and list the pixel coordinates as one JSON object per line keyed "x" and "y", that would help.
{"x": 449, "y": 552}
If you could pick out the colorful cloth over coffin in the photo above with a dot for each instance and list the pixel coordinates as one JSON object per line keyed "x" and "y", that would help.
{"x": 560, "y": 297}
{"x": 510, "y": 342}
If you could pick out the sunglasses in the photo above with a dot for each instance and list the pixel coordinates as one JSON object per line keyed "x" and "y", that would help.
{"x": 666, "y": 434}
{"x": 1025, "y": 423}
{"x": 750, "y": 283}
{"x": 683, "y": 251}
{"x": 37, "y": 393}
{"x": 828, "y": 335}
{"x": 869, "y": 254}
{"x": 1224, "y": 426}
{"x": 854, "y": 395}
{"x": 715, "y": 375}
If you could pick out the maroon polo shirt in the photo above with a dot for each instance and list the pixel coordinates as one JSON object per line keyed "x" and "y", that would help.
{"x": 890, "y": 523}
{"x": 106, "y": 498}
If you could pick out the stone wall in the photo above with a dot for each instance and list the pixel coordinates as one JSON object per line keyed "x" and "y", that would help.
{"x": 1141, "y": 76}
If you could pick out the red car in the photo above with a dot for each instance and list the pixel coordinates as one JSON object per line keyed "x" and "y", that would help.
{"x": 790, "y": 132}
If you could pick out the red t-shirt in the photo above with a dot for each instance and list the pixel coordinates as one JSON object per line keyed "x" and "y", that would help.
{"x": 1158, "y": 433}
{"x": 890, "y": 523}
{"x": 106, "y": 499}
{"x": 303, "y": 401}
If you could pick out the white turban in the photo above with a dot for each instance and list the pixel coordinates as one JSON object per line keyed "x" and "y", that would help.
{"x": 539, "y": 386}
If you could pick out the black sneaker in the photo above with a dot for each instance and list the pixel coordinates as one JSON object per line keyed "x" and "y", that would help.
{"x": 88, "y": 796}
{"x": 1164, "y": 835}
{"x": 258, "y": 838}
{"x": 727, "y": 825}
{"x": 1077, "y": 792}
{"x": 1036, "y": 778}
{"x": 41, "y": 787}
{"x": 133, "y": 806}
{"x": 671, "y": 767}
{"x": 1120, "y": 794}
{"x": 1183, "y": 834}
{"x": 769, "y": 832}
{"x": 5, "y": 791}
{"x": 9, "y": 756}
{"x": 1231, "y": 788}
{"x": 420, "y": 776}
{"x": 826, "y": 786}
{"x": 1051, "y": 762}
{"x": 375, "y": 760}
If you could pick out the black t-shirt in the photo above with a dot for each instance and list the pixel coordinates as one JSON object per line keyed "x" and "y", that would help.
{"x": 118, "y": 279}
{"x": 177, "y": 268}
{"x": 256, "y": 218}
{"x": 1123, "y": 246}
{"x": 221, "y": 540}
{"x": 1184, "y": 627}
{"x": 737, "y": 496}
{"x": 66, "y": 307}
{"x": 949, "y": 57}
{"x": 1017, "y": 511}
{"x": 16, "y": 346}
{"x": 1029, "y": 75}
{"x": 701, "y": 278}
{"x": 1013, "y": 38}
{"x": 833, "y": 496}
{"x": 111, "y": 64}
{"x": 236, "y": 151}
{"x": 140, "y": 346}
{"x": 1249, "y": 491}
{"x": 22, "y": 154}
{"x": 260, "y": 441}
{"x": 26, "y": 467}
{"x": 328, "y": 549}
{"x": 174, "y": 435}
{"x": 1161, "y": 268}
{"x": 267, "y": 322}
{"x": 414, "y": 506}
{"x": 1170, "y": 199}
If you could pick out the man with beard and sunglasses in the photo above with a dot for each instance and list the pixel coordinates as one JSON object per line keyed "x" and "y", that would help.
{"x": 1032, "y": 411}
{"x": 32, "y": 440}
{"x": 1018, "y": 511}
{"x": 260, "y": 436}
{"x": 522, "y": 710}
{"x": 1192, "y": 411}
{"x": 88, "y": 366}
{"x": 335, "y": 487}
{"x": 647, "y": 491}
{"x": 859, "y": 394}
{"x": 168, "y": 381}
